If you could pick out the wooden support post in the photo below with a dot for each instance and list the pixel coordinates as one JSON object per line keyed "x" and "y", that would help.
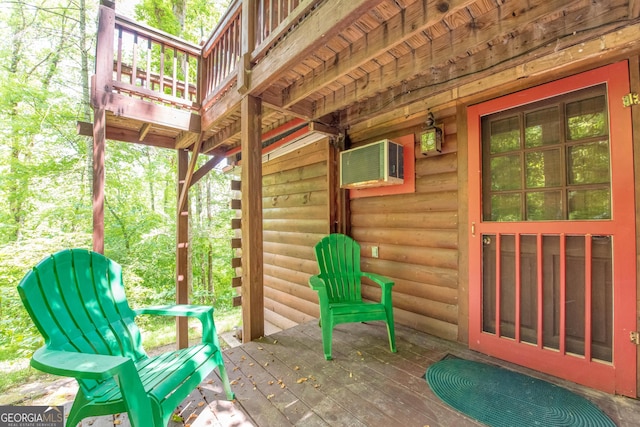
{"x": 101, "y": 83}
{"x": 99, "y": 142}
{"x": 182, "y": 252}
{"x": 252, "y": 241}
{"x": 248, "y": 39}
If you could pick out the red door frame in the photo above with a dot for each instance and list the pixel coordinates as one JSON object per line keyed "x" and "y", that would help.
{"x": 620, "y": 376}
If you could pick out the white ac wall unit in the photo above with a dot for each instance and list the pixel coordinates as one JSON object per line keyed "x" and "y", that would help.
{"x": 372, "y": 165}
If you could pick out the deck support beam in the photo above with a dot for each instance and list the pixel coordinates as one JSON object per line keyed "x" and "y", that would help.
{"x": 182, "y": 251}
{"x": 104, "y": 65}
{"x": 99, "y": 143}
{"x": 252, "y": 240}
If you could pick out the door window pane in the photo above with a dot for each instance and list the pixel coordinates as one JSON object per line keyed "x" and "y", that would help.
{"x": 505, "y": 173}
{"x": 505, "y": 135}
{"x": 561, "y": 171}
{"x": 506, "y": 207}
{"x": 589, "y": 163}
{"x": 544, "y": 206}
{"x": 542, "y": 127}
{"x": 544, "y": 168}
{"x": 590, "y": 204}
{"x": 586, "y": 118}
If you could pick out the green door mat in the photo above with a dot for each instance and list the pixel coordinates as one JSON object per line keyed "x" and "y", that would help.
{"x": 502, "y": 398}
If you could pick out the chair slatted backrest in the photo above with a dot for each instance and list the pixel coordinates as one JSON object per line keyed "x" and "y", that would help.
{"x": 76, "y": 300}
{"x": 338, "y": 258}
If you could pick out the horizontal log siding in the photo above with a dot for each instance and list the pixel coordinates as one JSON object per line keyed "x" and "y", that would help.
{"x": 295, "y": 217}
{"x": 417, "y": 239}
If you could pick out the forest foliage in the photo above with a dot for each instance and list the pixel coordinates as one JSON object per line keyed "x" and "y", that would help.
{"x": 47, "y": 56}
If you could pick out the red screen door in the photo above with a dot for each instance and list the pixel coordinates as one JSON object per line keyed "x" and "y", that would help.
{"x": 552, "y": 229}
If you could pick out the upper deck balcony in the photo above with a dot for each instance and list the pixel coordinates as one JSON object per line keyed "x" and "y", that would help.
{"x": 327, "y": 62}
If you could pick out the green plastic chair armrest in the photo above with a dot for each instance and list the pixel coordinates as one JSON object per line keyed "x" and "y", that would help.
{"x": 177, "y": 310}
{"x": 316, "y": 283}
{"x": 78, "y": 365}
{"x": 204, "y": 313}
{"x": 379, "y": 279}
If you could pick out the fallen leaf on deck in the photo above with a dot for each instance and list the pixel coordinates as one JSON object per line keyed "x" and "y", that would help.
{"x": 350, "y": 374}
{"x": 275, "y": 341}
{"x": 251, "y": 364}
{"x": 117, "y": 422}
{"x": 296, "y": 368}
{"x": 260, "y": 348}
{"x": 271, "y": 382}
{"x": 301, "y": 380}
{"x": 269, "y": 396}
{"x": 233, "y": 382}
{"x": 201, "y": 404}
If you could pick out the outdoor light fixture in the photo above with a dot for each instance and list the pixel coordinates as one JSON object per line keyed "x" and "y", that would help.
{"x": 431, "y": 137}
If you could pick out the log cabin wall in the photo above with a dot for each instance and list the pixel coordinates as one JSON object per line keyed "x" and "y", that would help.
{"x": 416, "y": 234}
{"x": 296, "y": 203}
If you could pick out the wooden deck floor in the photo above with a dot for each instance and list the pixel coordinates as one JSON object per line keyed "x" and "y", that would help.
{"x": 283, "y": 380}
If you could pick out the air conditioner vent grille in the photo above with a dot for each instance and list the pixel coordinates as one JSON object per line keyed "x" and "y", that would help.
{"x": 372, "y": 165}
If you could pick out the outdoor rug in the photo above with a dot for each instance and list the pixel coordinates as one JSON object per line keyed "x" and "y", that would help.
{"x": 498, "y": 397}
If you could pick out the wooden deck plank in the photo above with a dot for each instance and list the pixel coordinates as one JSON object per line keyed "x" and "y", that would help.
{"x": 284, "y": 380}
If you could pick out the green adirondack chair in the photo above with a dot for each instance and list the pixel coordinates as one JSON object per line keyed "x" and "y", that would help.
{"x": 339, "y": 289}
{"x": 76, "y": 299}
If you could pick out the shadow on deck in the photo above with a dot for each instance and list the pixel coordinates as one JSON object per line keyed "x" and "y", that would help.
{"x": 283, "y": 379}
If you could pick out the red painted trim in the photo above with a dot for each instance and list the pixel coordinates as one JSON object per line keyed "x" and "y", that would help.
{"x": 563, "y": 294}
{"x": 518, "y": 285}
{"x": 620, "y": 377}
{"x": 279, "y": 130}
{"x": 282, "y": 128}
{"x": 409, "y": 184}
{"x": 587, "y": 296}
{"x": 498, "y": 280}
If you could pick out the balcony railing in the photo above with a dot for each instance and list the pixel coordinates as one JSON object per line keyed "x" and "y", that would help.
{"x": 221, "y": 54}
{"x": 153, "y": 65}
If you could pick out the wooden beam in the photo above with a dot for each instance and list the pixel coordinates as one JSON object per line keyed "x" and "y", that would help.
{"x": 324, "y": 129}
{"x": 148, "y": 112}
{"x": 182, "y": 253}
{"x": 221, "y": 136}
{"x": 185, "y": 139}
{"x": 444, "y": 76}
{"x": 222, "y": 109}
{"x": 144, "y": 130}
{"x": 396, "y": 31}
{"x": 634, "y": 9}
{"x": 252, "y": 239}
{"x": 99, "y": 143}
{"x": 206, "y": 168}
{"x": 326, "y": 22}
{"x": 127, "y": 135}
{"x": 184, "y": 194}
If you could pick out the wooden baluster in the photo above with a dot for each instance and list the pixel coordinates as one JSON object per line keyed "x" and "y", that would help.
{"x": 149, "y": 84}
{"x": 186, "y": 76}
{"x": 174, "y": 80}
{"x": 119, "y": 61}
{"x": 134, "y": 60}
